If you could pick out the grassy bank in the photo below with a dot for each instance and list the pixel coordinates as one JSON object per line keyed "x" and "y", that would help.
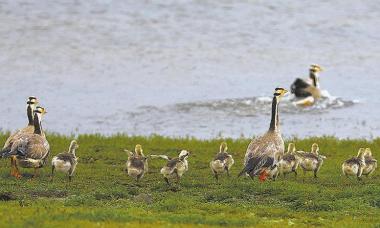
{"x": 102, "y": 194}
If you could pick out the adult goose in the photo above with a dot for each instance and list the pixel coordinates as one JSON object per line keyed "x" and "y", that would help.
{"x": 308, "y": 90}
{"x": 30, "y": 150}
{"x": 29, "y": 129}
{"x": 264, "y": 152}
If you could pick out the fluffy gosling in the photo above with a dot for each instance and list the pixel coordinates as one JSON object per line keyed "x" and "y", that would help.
{"x": 355, "y": 165}
{"x": 311, "y": 161}
{"x": 222, "y": 161}
{"x": 65, "y": 162}
{"x": 370, "y": 163}
{"x": 137, "y": 163}
{"x": 289, "y": 162}
{"x": 175, "y": 167}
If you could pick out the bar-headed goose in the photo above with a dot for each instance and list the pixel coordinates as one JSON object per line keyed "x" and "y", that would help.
{"x": 308, "y": 90}
{"x": 29, "y": 129}
{"x": 263, "y": 153}
{"x": 31, "y": 150}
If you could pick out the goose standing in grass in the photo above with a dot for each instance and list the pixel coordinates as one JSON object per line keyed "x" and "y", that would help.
{"x": 222, "y": 161}
{"x": 65, "y": 162}
{"x": 30, "y": 150}
{"x": 311, "y": 161}
{"x": 264, "y": 152}
{"x": 289, "y": 162}
{"x": 137, "y": 163}
{"x": 29, "y": 129}
{"x": 308, "y": 90}
{"x": 175, "y": 167}
{"x": 354, "y": 166}
{"x": 370, "y": 163}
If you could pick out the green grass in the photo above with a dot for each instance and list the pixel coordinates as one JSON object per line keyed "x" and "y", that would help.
{"x": 102, "y": 194}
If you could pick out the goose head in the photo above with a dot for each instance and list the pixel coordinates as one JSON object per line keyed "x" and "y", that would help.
{"x": 291, "y": 148}
{"x": 183, "y": 155}
{"x": 223, "y": 147}
{"x": 279, "y": 93}
{"x": 315, "y": 148}
{"x": 368, "y": 152}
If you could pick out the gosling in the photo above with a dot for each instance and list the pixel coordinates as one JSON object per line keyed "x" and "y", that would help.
{"x": 175, "y": 167}
{"x": 289, "y": 162}
{"x": 311, "y": 161}
{"x": 370, "y": 163}
{"x": 354, "y": 166}
{"x": 222, "y": 162}
{"x": 65, "y": 162}
{"x": 137, "y": 163}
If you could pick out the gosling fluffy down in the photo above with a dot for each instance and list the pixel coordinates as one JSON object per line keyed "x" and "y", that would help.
{"x": 311, "y": 161}
{"x": 137, "y": 163}
{"x": 289, "y": 162}
{"x": 176, "y": 167}
{"x": 354, "y": 166}
{"x": 222, "y": 162}
{"x": 370, "y": 163}
{"x": 66, "y": 162}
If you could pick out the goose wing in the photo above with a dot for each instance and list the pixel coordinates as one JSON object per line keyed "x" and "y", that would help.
{"x": 16, "y": 136}
{"x": 268, "y": 145}
{"x": 257, "y": 163}
{"x": 160, "y": 156}
{"x": 298, "y": 88}
{"x": 30, "y": 146}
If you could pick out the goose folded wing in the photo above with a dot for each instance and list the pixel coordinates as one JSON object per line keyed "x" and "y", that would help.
{"x": 38, "y": 148}
{"x": 257, "y": 163}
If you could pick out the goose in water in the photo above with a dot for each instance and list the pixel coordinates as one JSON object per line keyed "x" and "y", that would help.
{"x": 29, "y": 129}
{"x": 222, "y": 162}
{"x": 65, "y": 162}
{"x": 264, "y": 152}
{"x": 308, "y": 90}
{"x": 30, "y": 150}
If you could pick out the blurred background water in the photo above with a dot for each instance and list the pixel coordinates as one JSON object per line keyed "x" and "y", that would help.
{"x": 189, "y": 68}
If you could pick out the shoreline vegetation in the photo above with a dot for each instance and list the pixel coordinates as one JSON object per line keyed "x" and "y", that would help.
{"x": 101, "y": 193}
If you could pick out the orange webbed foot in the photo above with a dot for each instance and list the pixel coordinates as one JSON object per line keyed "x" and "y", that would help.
{"x": 263, "y": 176}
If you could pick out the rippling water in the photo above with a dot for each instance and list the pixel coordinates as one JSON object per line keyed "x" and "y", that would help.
{"x": 196, "y": 68}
